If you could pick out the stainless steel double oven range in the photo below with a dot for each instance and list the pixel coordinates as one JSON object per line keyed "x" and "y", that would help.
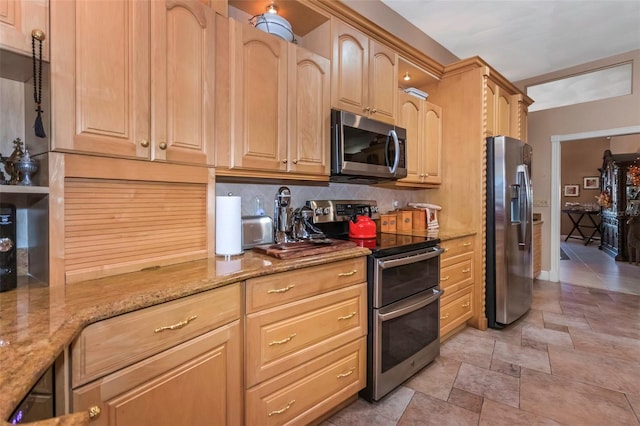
{"x": 403, "y": 275}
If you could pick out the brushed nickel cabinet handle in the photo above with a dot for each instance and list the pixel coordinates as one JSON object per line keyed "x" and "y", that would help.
{"x": 348, "y": 274}
{"x": 373, "y": 111}
{"x": 466, "y": 244}
{"x": 283, "y": 341}
{"x": 346, "y": 317}
{"x": 162, "y": 145}
{"x": 94, "y": 412}
{"x": 466, "y": 304}
{"x": 348, "y": 373}
{"x": 284, "y": 161}
{"x": 466, "y": 270}
{"x": 144, "y": 143}
{"x": 282, "y": 410}
{"x": 176, "y": 326}
{"x": 281, "y": 290}
{"x": 445, "y": 317}
{"x": 367, "y": 109}
{"x": 295, "y": 161}
{"x": 444, "y": 278}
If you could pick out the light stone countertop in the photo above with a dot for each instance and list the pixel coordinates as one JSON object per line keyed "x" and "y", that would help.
{"x": 38, "y": 322}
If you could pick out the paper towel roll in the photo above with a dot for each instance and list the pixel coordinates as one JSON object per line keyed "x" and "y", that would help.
{"x": 228, "y": 226}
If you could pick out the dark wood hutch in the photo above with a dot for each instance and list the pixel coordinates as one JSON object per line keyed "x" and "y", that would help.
{"x": 617, "y": 181}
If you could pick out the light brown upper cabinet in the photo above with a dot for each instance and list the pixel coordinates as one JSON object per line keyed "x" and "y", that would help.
{"x": 134, "y": 79}
{"x": 498, "y": 109}
{"x": 17, "y": 19}
{"x": 365, "y": 74}
{"x": 519, "y": 117}
{"x": 423, "y": 121}
{"x": 280, "y": 108}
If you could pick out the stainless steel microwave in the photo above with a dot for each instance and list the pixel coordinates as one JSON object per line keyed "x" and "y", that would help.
{"x": 365, "y": 150}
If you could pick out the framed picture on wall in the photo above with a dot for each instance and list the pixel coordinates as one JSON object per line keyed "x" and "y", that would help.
{"x": 571, "y": 190}
{"x": 591, "y": 182}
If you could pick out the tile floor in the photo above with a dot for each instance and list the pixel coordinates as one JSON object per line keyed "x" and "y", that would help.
{"x": 573, "y": 359}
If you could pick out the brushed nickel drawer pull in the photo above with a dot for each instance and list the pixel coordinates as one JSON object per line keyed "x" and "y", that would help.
{"x": 175, "y": 326}
{"x": 466, "y": 270}
{"x": 445, "y": 316}
{"x": 94, "y": 412}
{"x": 281, "y": 290}
{"x": 348, "y": 274}
{"x": 283, "y": 341}
{"x": 444, "y": 278}
{"x": 348, "y": 373}
{"x": 346, "y": 317}
{"x": 466, "y": 304}
{"x": 466, "y": 244}
{"x": 282, "y": 410}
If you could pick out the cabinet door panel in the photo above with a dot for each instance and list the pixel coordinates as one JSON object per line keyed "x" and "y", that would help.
{"x": 17, "y": 19}
{"x": 100, "y": 91}
{"x": 258, "y": 98}
{"x": 383, "y": 83}
{"x": 309, "y": 112}
{"x": 154, "y": 391}
{"x": 410, "y": 118}
{"x": 350, "y": 79}
{"x": 490, "y": 92}
{"x": 183, "y": 92}
{"x": 503, "y": 109}
{"x": 433, "y": 143}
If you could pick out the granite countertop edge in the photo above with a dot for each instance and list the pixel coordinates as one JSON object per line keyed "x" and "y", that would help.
{"x": 38, "y": 322}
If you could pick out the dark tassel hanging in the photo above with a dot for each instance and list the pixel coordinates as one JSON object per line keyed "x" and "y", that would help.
{"x": 37, "y": 82}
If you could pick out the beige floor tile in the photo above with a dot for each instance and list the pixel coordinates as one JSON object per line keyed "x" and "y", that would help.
{"x": 601, "y": 370}
{"x": 635, "y": 404}
{"x": 496, "y": 414}
{"x": 510, "y": 334}
{"x": 505, "y": 367}
{"x": 466, "y": 400}
{"x": 436, "y": 379}
{"x": 488, "y": 384}
{"x": 469, "y": 348}
{"x": 385, "y": 412}
{"x": 572, "y": 403}
{"x": 619, "y": 329}
{"x": 578, "y": 321}
{"x": 533, "y": 317}
{"x": 547, "y": 336}
{"x": 606, "y": 344}
{"x": 426, "y": 411}
{"x": 522, "y": 356}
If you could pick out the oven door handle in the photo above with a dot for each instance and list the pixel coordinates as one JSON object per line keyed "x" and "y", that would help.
{"x": 408, "y": 307}
{"x": 384, "y": 264}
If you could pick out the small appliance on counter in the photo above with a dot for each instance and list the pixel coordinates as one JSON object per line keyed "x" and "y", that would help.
{"x": 256, "y": 230}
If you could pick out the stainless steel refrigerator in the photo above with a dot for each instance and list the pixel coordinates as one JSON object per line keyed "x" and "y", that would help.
{"x": 509, "y": 277}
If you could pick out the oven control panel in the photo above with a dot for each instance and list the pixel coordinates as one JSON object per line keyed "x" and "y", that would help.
{"x": 325, "y": 211}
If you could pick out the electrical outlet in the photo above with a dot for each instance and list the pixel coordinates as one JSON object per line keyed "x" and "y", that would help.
{"x": 540, "y": 203}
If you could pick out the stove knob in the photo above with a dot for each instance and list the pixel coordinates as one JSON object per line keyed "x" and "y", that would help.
{"x": 374, "y": 209}
{"x": 318, "y": 210}
{"x": 326, "y": 210}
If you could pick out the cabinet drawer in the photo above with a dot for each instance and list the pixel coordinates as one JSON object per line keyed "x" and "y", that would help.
{"x": 274, "y": 290}
{"x": 109, "y": 345}
{"x": 456, "y": 247}
{"x": 458, "y": 275}
{"x": 278, "y": 339}
{"x": 455, "y": 310}
{"x": 303, "y": 394}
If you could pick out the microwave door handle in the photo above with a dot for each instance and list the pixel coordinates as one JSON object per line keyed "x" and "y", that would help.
{"x": 396, "y": 143}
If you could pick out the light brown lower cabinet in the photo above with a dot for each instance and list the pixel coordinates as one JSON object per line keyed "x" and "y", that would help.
{"x": 193, "y": 382}
{"x": 457, "y": 279}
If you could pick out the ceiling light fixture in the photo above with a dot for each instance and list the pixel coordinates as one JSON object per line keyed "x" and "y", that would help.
{"x": 272, "y": 8}
{"x": 406, "y": 77}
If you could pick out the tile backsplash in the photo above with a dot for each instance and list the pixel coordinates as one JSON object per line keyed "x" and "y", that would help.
{"x": 251, "y": 193}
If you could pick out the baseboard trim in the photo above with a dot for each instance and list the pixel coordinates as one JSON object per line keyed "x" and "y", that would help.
{"x": 543, "y": 275}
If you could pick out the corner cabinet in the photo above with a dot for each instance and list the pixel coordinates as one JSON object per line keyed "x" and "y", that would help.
{"x": 146, "y": 93}
{"x": 423, "y": 121}
{"x": 17, "y": 19}
{"x": 364, "y": 75}
{"x": 280, "y": 107}
{"x": 179, "y": 362}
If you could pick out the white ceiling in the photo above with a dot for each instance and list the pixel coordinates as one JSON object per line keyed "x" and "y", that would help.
{"x": 522, "y": 38}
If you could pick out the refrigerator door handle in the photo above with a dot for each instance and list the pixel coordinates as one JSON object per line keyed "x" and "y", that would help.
{"x": 524, "y": 234}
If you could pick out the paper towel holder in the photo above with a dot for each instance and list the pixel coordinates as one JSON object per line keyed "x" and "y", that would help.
{"x": 227, "y": 224}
